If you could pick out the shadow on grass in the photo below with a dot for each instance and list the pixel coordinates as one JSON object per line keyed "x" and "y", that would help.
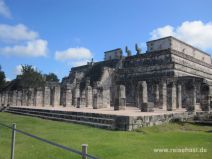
{"x": 174, "y": 126}
{"x": 209, "y": 131}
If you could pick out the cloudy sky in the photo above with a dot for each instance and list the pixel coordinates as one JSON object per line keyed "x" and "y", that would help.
{"x": 54, "y": 35}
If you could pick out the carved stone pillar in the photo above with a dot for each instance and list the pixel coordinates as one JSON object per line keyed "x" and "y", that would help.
{"x": 106, "y": 98}
{"x": 68, "y": 96}
{"x": 82, "y": 99}
{"x": 6, "y": 98}
{"x": 31, "y": 97}
{"x": 77, "y": 96}
{"x": 88, "y": 94}
{"x": 144, "y": 92}
{"x": 47, "y": 96}
{"x": 173, "y": 96}
{"x": 39, "y": 97}
{"x": 19, "y": 95}
{"x": 163, "y": 95}
{"x": 24, "y": 98}
{"x": 14, "y": 96}
{"x": 194, "y": 97}
{"x": 209, "y": 99}
{"x": 94, "y": 92}
{"x": 2, "y": 99}
{"x": 120, "y": 98}
{"x": 156, "y": 101}
{"x": 145, "y": 106}
{"x": 179, "y": 96}
{"x": 56, "y": 96}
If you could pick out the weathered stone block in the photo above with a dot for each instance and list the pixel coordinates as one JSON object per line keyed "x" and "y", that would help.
{"x": 147, "y": 107}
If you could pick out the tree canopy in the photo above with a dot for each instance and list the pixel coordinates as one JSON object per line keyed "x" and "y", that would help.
{"x": 29, "y": 77}
{"x": 51, "y": 77}
{"x": 2, "y": 78}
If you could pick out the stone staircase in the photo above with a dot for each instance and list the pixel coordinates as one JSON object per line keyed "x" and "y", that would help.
{"x": 104, "y": 121}
{"x": 203, "y": 118}
{"x": 3, "y": 108}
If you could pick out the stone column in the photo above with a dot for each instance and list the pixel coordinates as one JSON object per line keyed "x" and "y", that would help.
{"x": 82, "y": 99}
{"x": 120, "y": 98}
{"x": 106, "y": 98}
{"x": 144, "y": 92}
{"x": 194, "y": 97}
{"x": 145, "y": 105}
{"x": 56, "y": 96}
{"x": 31, "y": 97}
{"x": 173, "y": 96}
{"x": 6, "y": 98}
{"x": 68, "y": 96}
{"x": 156, "y": 102}
{"x": 19, "y": 96}
{"x": 88, "y": 94}
{"x": 179, "y": 96}
{"x": 163, "y": 95}
{"x": 2, "y": 98}
{"x": 47, "y": 96}
{"x": 24, "y": 98}
{"x": 94, "y": 94}
{"x": 14, "y": 97}
{"x": 209, "y": 99}
{"x": 100, "y": 97}
{"x": 9, "y": 103}
{"x": 77, "y": 96}
{"x": 39, "y": 97}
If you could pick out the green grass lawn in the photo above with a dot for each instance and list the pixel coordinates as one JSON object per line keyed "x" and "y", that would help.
{"x": 103, "y": 143}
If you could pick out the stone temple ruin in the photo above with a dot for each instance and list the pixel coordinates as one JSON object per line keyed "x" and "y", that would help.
{"x": 172, "y": 77}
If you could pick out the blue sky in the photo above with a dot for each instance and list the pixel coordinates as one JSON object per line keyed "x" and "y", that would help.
{"x": 54, "y": 35}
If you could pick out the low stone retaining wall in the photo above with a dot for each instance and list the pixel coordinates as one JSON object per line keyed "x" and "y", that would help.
{"x": 106, "y": 121}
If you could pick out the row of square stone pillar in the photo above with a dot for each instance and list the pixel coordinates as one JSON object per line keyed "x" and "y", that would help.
{"x": 31, "y": 97}
{"x": 95, "y": 97}
{"x": 165, "y": 101}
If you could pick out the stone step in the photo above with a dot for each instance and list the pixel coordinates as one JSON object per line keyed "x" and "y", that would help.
{"x": 67, "y": 112}
{"x": 99, "y": 125}
{"x": 95, "y": 122}
{"x": 68, "y": 116}
{"x": 2, "y": 108}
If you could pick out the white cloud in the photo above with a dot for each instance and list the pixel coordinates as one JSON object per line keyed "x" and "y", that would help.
{"x": 18, "y": 70}
{"x": 196, "y": 33}
{"x": 75, "y": 56}
{"x": 4, "y": 10}
{"x": 79, "y": 63}
{"x": 162, "y": 32}
{"x": 19, "y": 32}
{"x": 23, "y": 41}
{"x": 33, "y": 48}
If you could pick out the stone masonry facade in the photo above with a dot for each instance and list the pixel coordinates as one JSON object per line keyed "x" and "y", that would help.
{"x": 166, "y": 79}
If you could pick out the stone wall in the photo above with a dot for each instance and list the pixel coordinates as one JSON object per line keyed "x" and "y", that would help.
{"x": 164, "y": 79}
{"x": 180, "y": 46}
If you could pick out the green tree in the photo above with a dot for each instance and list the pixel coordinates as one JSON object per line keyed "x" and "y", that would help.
{"x": 2, "y": 78}
{"x": 30, "y": 77}
{"x": 51, "y": 77}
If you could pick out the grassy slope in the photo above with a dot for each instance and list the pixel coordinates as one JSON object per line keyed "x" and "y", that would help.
{"x": 103, "y": 143}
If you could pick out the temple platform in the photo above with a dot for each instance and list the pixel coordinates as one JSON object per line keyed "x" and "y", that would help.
{"x": 127, "y": 120}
